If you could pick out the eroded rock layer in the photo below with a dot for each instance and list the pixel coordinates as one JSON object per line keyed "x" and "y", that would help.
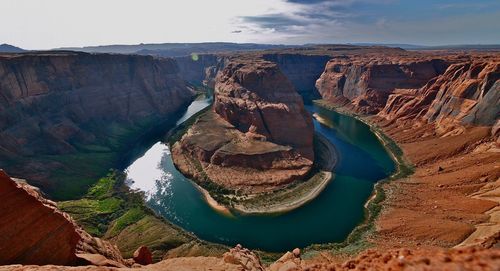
{"x": 245, "y": 144}
{"x": 446, "y": 126}
{"x": 256, "y": 97}
{"x": 466, "y": 93}
{"x": 367, "y": 81}
{"x": 61, "y": 103}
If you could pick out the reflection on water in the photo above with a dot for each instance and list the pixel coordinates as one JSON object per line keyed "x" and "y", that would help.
{"x": 328, "y": 218}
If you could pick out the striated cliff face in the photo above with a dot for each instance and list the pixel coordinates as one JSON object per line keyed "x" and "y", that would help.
{"x": 39, "y": 233}
{"x": 67, "y": 103}
{"x": 256, "y": 97}
{"x": 245, "y": 144}
{"x": 448, "y": 90}
{"x": 366, "y": 82}
{"x": 466, "y": 93}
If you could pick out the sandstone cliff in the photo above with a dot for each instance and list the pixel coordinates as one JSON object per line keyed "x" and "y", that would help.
{"x": 466, "y": 93}
{"x": 56, "y": 106}
{"x": 448, "y": 90}
{"x": 367, "y": 81}
{"x": 34, "y": 231}
{"x": 256, "y": 97}
{"x": 246, "y": 132}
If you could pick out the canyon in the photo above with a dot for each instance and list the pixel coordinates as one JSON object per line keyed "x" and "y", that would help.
{"x": 56, "y": 105}
{"x": 62, "y": 112}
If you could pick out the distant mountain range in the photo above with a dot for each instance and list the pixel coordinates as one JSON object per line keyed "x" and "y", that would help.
{"x": 7, "y": 48}
{"x": 183, "y": 49}
{"x": 176, "y": 49}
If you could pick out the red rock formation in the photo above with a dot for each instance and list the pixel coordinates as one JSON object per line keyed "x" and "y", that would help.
{"x": 467, "y": 93}
{"x": 143, "y": 256}
{"x": 260, "y": 136}
{"x": 256, "y": 97}
{"x": 34, "y": 231}
{"x": 367, "y": 81}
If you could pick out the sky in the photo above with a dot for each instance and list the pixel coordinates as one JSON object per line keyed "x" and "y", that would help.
{"x": 46, "y": 24}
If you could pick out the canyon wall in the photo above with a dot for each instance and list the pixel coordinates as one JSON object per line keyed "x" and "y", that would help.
{"x": 450, "y": 91}
{"x": 466, "y": 93}
{"x": 194, "y": 68}
{"x": 58, "y": 104}
{"x": 367, "y": 82}
{"x": 302, "y": 70}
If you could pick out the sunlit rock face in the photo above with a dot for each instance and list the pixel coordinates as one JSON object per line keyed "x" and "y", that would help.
{"x": 259, "y": 137}
{"x": 450, "y": 90}
{"x": 60, "y": 103}
{"x": 367, "y": 82}
{"x": 257, "y": 97}
{"x": 467, "y": 93}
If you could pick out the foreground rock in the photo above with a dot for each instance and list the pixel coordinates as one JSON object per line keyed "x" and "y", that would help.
{"x": 143, "y": 256}
{"x": 34, "y": 231}
{"x": 471, "y": 258}
{"x": 245, "y": 144}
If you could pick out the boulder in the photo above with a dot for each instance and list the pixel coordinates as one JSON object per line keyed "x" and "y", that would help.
{"x": 143, "y": 256}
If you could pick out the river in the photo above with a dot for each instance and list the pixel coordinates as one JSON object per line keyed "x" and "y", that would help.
{"x": 329, "y": 218}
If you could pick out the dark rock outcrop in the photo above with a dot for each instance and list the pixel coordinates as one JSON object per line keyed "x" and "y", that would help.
{"x": 143, "y": 256}
{"x": 302, "y": 70}
{"x": 62, "y": 103}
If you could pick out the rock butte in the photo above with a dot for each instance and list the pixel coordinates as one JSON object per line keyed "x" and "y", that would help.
{"x": 245, "y": 132}
{"x": 441, "y": 108}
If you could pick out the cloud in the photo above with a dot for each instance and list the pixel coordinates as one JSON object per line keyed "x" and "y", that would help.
{"x": 306, "y": 2}
{"x": 384, "y": 21}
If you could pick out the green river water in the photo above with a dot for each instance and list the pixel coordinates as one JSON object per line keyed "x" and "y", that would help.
{"x": 329, "y": 218}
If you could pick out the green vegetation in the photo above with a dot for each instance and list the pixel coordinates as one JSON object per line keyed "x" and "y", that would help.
{"x": 100, "y": 206}
{"x": 111, "y": 147}
{"x": 111, "y": 210}
{"x": 128, "y": 218}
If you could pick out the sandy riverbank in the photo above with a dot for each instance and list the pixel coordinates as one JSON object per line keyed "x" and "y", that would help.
{"x": 212, "y": 202}
{"x": 287, "y": 199}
